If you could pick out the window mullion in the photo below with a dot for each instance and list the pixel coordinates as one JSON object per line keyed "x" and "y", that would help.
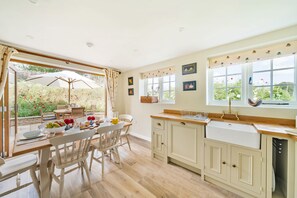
{"x": 271, "y": 80}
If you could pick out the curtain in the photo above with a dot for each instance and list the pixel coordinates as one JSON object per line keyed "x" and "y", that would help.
{"x": 158, "y": 73}
{"x": 5, "y": 54}
{"x": 257, "y": 54}
{"x": 111, "y": 82}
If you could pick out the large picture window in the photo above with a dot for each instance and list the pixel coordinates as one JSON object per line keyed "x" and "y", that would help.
{"x": 273, "y": 81}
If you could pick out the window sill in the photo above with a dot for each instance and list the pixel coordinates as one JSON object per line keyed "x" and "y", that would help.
{"x": 260, "y": 107}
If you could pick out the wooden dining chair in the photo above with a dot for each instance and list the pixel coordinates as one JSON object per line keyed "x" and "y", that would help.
{"x": 125, "y": 131}
{"x": 15, "y": 166}
{"x": 65, "y": 157}
{"x": 108, "y": 139}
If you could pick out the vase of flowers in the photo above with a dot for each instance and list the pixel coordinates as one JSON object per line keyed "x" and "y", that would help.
{"x": 91, "y": 119}
{"x": 69, "y": 123}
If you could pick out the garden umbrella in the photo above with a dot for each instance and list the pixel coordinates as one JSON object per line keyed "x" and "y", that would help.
{"x": 64, "y": 79}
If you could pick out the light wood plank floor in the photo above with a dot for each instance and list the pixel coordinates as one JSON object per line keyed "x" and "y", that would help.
{"x": 141, "y": 176}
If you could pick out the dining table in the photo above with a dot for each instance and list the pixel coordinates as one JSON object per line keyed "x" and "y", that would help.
{"x": 42, "y": 145}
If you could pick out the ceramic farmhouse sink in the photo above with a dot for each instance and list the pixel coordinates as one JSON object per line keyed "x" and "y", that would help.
{"x": 234, "y": 133}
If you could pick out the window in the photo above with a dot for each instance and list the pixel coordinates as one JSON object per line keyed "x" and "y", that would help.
{"x": 273, "y": 81}
{"x": 163, "y": 87}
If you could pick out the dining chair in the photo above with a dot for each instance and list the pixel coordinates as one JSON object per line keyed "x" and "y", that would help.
{"x": 15, "y": 166}
{"x": 64, "y": 158}
{"x": 125, "y": 131}
{"x": 108, "y": 139}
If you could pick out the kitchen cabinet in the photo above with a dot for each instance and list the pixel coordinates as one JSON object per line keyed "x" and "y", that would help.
{"x": 215, "y": 162}
{"x": 233, "y": 165}
{"x": 185, "y": 142}
{"x": 159, "y": 140}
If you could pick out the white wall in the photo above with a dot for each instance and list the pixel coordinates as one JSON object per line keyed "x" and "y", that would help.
{"x": 195, "y": 100}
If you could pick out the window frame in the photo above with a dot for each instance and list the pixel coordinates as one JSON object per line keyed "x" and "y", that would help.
{"x": 160, "y": 91}
{"x": 247, "y": 89}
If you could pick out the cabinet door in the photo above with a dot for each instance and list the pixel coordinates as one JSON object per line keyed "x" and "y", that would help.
{"x": 215, "y": 159}
{"x": 246, "y": 169}
{"x": 158, "y": 142}
{"x": 184, "y": 142}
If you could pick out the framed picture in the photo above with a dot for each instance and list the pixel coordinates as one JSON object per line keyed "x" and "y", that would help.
{"x": 189, "y": 86}
{"x": 131, "y": 91}
{"x": 189, "y": 69}
{"x": 130, "y": 81}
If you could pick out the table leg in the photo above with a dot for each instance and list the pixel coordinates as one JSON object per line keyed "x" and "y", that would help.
{"x": 44, "y": 176}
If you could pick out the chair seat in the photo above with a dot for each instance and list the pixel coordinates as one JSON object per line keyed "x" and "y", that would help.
{"x": 17, "y": 165}
{"x": 69, "y": 156}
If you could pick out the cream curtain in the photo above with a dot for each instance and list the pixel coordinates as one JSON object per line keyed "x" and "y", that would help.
{"x": 5, "y": 54}
{"x": 159, "y": 73}
{"x": 111, "y": 82}
{"x": 264, "y": 53}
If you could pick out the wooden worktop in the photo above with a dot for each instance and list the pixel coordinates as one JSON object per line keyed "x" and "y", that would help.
{"x": 263, "y": 125}
{"x": 178, "y": 117}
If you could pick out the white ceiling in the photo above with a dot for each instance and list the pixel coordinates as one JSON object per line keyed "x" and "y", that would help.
{"x": 133, "y": 33}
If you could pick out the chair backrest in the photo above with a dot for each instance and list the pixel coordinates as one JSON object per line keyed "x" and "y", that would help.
{"x": 78, "y": 111}
{"x": 126, "y": 117}
{"x": 109, "y": 135}
{"x": 79, "y": 149}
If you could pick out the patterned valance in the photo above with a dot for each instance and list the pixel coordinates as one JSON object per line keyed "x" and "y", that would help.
{"x": 264, "y": 53}
{"x": 159, "y": 73}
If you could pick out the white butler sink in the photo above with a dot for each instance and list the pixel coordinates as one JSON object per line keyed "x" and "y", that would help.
{"x": 240, "y": 134}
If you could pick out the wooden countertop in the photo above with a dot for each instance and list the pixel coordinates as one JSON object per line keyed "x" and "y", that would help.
{"x": 263, "y": 128}
{"x": 178, "y": 117}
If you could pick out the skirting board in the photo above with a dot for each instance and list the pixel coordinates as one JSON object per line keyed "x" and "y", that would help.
{"x": 140, "y": 136}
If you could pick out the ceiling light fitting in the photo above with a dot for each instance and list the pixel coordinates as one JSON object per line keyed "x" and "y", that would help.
{"x": 89, "y": 44}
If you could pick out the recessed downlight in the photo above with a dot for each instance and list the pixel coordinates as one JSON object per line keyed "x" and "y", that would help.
{"x": 181, "y": 29}
{"x": 29, "y": 36}
{"x": 89, "y": 44}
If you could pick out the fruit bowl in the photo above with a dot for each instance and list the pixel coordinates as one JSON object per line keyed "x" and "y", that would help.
{"x": 55, "y": 127}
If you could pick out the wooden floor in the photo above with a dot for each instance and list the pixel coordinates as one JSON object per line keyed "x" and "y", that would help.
{"x": 141, "y": 176}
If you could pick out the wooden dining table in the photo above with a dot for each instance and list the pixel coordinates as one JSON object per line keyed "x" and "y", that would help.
{"x": 43, "y": 146}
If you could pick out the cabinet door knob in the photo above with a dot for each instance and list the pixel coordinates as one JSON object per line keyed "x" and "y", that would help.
{"x": 234, "y": 166}
{"x": 162, "y": 143}
{"x": 183, "y": 123}
{"x": 159, "y": 124}
{"x": 224, "y": 162}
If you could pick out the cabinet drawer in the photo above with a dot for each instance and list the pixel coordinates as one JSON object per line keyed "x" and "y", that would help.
{"x": 159, "y": 124}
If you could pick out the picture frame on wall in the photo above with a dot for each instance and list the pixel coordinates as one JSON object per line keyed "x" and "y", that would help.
{"x": 189, "y": 86}
{"x": 130, "y": 81}
{"x": 189, "y": 69}
{"x": 131, "y": 91}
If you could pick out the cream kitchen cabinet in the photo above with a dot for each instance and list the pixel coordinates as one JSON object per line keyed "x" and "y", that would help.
{"x": 185, "y": 142}
{"x": 236, "y": 166}
{"x": 159, "y": 140}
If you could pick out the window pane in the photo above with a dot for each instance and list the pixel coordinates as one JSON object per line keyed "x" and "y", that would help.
{"x": 261, "y": 93}
{"x": 234, "y": 81}
{"x": 236, "y": 69}
{"x": 172, "y": 86}
{"x": 261, "y": 78}
{"x": 234, "y": 93}
{"x": 165, "y": 86}
{"x": 150, "y": 80}
{"x": 172, "y": 78}
{"x": 219, "y": 82}
{"x": 283, "y": 77}
{"x": 172, "y": 95}
{"x": 166, "y": 79}
{"x": 156, "y": 87}
{"x": 220, "y": 94}
{"x": 156, "y": 80}
{"x": 166, "y": 95}
{"x": 283, "y": 93}
{"x": 261, "y": 65}
{"x": 219, "y": 71}
{"x": 283, "y": 62}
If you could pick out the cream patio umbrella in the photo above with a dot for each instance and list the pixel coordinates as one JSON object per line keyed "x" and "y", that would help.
{"x": 64, "y": 79}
